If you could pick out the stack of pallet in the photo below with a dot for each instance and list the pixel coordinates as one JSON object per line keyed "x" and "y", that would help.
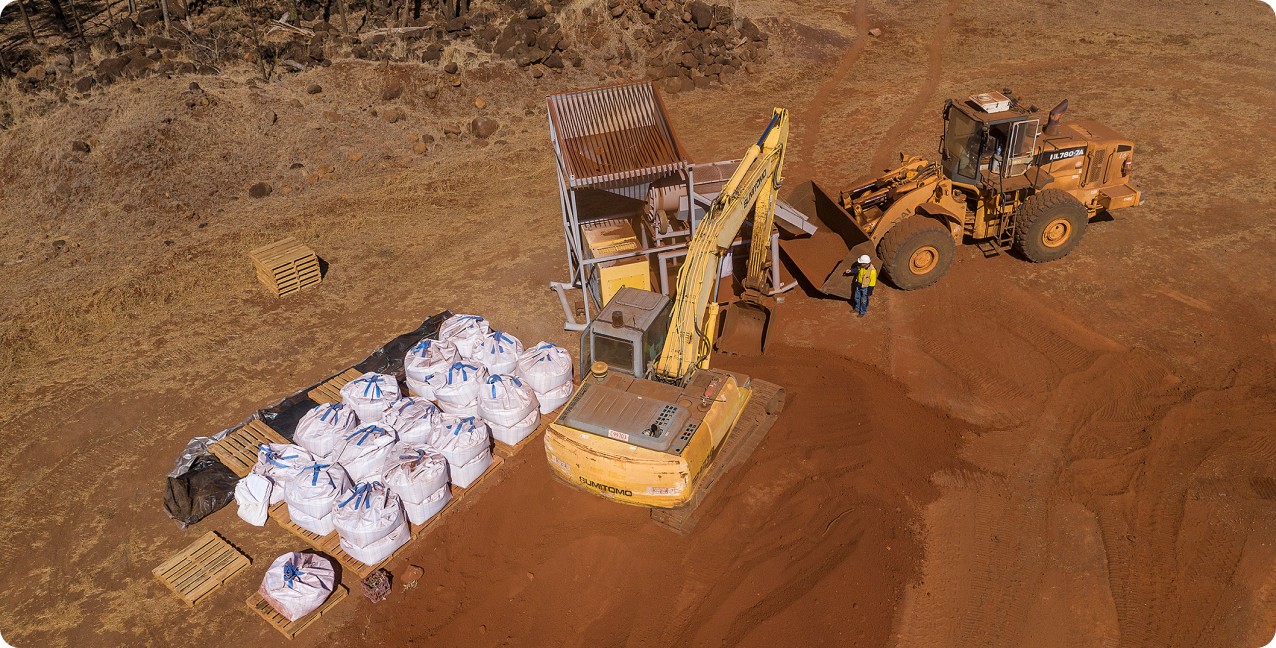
{"x": 286, "y": 266}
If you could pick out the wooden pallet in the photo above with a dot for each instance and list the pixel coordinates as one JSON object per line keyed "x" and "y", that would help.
{"x": 238, "y": 450}
{"x": 286, "y": 266}
{"x": 330, "y": 390}
{"x": 330, "y": 545}
{"x": 258, "y": 603}
{"x": 201, "y": 568}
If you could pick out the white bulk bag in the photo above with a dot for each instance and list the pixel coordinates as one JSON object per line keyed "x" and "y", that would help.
{"x": 414, "y": 419}
{"x": 298, "y": 583}
{"x": 545, "y": 367}
{"x": 407, "y": 410}
{"x": 499, "y": 352}
{"x": 312, "y": 490}
{"x": 461, "y": 440}
{"x": 320, "y": 526}
{"x": 370, "y": 394}
{"x": 378, "y": 551}
{"x": 367, "y": 512}
{"x": 365, "y": 450}
{"x": 420, "y": 513}
{"x": 415, "y": 471}
{"x": 279, "y": 461}
{"x": 425, "y": 388}
{"x": 468, "y": 447}
{"x": 427, "y": 357}
{"x": 506, "y": 400}
{"x": 554, "y": 398}
{"x": 513, "y": 434}
{"x": 458, "y": 394}
{"x": 465, "y": 475}
{"x": 324, "y": 428}
{"x": 253, "y": 495}
{"x": 418, "y": 474}
{"x": 466, "y": 332}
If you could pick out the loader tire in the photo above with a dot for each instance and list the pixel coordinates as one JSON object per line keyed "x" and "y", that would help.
{"x": 915, "y": 253}
{"x": 1048, "y": 225}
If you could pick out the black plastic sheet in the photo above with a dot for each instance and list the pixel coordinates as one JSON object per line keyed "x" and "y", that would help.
{"x": 203, "y": 487}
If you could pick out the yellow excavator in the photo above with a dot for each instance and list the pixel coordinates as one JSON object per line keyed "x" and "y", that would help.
{"x": 652, "y": 424}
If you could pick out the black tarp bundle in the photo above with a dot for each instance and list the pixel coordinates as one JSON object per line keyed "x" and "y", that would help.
{"x": 204, "y": 485}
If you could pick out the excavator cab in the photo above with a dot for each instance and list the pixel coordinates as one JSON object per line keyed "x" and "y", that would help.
{"x": 628, "y": 334}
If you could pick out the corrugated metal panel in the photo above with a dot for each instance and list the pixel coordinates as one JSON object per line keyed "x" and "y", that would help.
{"x": 614, "y": 136}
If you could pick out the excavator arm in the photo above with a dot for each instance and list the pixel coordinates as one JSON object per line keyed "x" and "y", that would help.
{"x": 756, "y": 181}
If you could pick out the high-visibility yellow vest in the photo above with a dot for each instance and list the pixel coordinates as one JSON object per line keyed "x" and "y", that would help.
{"x": 866, "y": 276}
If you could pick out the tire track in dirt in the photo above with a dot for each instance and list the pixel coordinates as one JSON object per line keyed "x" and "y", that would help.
{"x": 934, "y": 66}
{"x": 805, "y": 160}
{"x": 991, "y": 537}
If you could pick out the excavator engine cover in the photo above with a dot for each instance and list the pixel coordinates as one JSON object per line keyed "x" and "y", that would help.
{"x": 644, "y": 442}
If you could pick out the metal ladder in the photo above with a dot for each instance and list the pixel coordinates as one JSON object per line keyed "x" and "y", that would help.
{"x": 994, "y": 246}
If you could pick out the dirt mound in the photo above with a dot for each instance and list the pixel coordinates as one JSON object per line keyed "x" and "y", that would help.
{"x": 818, "y": 533}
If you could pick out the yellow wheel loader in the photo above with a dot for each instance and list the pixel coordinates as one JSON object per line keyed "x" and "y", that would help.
{"x": 651, "y": 423}
{"x": 1003, "y": 180}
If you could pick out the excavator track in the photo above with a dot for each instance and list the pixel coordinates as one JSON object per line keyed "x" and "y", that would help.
{"x": 755, "y": 421}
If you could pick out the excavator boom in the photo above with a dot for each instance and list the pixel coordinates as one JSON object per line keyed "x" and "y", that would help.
{"x": 756, "y": 181}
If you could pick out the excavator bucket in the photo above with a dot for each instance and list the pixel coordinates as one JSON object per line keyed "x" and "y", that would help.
{"x": 822, "y": 257}
{"x": 745, "y": 324}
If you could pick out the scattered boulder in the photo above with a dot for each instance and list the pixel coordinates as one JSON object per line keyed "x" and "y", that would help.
{"x": 451, "y": 68}
{"x": 702, "y": 14}
{"x": 148, "y": 17}
{"x": 124, "y": 26}
{"x": 85, "y": 84}
{"x": 80, "y": 146}
{"x": 432, "y": 53}
{"x": 159, "y": 42}
{"x": 314, "y": 88}
{"x": 484, "y": 127}
{"x": 480, "y": 103}
{"x": 393, "y": 90}
{"x": 394, "y": 115}
{"x": 876, "y": 31}
{"x": 260, "y": 190}
{"x": 110, "y": 69}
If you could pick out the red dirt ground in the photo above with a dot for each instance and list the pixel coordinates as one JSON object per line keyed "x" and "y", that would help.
{"x": 1072, "y": 454}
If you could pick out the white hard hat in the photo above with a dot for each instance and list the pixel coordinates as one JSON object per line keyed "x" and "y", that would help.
{"x": 864, "y": 259}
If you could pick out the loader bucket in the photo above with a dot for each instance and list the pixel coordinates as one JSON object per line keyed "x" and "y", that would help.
{"x": 822, "y": 257}
{"x": 745, "y": 324}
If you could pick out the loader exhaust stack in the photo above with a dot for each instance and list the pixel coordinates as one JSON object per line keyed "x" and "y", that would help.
{"x": 1056, "y": 113}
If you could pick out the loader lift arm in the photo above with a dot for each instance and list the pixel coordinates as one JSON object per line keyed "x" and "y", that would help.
{"x": 756, "y": 181}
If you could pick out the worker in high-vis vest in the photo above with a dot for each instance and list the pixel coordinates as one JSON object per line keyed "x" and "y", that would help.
{"x": 865, "y": 279}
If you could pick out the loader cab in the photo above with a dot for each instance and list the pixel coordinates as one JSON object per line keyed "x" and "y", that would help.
{"x": 987, "y": 138}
